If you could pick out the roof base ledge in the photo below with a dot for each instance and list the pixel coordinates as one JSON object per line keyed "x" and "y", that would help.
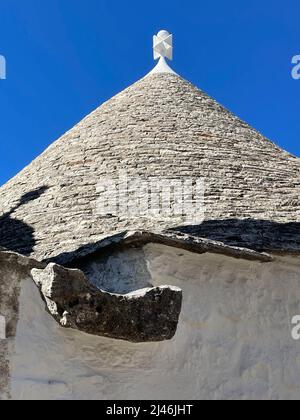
{"x": 176, "y": 239}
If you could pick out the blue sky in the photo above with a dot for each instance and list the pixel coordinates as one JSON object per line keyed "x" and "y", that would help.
{"x": 65, "y": 57}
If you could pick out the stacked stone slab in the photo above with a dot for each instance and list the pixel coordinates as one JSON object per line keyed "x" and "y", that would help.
{"x": 165, "y": 127}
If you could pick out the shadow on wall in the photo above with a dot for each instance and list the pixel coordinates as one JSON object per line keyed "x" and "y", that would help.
{"x": 261, "y": 235}
{"x": 16, "y": 235}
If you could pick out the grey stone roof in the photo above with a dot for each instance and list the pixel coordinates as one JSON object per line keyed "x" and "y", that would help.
{"x": 160, "y": 126}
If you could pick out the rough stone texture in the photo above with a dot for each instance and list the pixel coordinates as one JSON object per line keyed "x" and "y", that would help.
{"x": 261, "y": 235}
{"x": 142, "y": 316}
{"x": 13, "y": 269}
{"x": 161, "y": 126}
{"x": 233, "y": 339}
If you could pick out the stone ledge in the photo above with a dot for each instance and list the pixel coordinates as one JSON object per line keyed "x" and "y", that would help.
{"x": 146, "y": 315}
{"x": 173, "y": 239}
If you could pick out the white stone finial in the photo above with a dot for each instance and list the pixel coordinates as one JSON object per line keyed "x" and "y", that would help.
{"x": 163, "y": 48}
{"x": 163, "y": 45}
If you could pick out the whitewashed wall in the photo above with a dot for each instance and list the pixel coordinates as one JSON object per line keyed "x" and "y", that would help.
{"x": 13, "y": 269}
{"x": 233, "y": 341}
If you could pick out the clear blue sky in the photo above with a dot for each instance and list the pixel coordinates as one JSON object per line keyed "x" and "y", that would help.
{"x": 65, "y": 57}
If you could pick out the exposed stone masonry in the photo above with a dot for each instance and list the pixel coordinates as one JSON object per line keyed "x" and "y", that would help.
{"x": 146, "y": 315}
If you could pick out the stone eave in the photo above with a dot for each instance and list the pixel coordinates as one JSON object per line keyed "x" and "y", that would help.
{"x": 145, "y": 315}
{"x": 174, "y": 239}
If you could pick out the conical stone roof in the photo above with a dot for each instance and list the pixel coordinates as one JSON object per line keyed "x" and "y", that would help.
{"x": 161, "y": 126}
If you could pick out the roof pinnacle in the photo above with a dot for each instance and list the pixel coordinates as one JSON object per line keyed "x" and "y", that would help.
{"x": 162, "y": 50}
{"x": 163, "y": 45}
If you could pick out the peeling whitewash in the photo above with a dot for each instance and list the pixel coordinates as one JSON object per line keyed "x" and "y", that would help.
{"x": 233, "y": 341}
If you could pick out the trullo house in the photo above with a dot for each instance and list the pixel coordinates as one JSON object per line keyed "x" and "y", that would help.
{"x": 152, "y": 252}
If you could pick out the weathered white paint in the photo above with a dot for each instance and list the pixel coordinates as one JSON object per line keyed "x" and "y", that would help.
{"x": 234, "y": 338}
{"x": 121, "y": 272}
{"x": 13, "y": 269}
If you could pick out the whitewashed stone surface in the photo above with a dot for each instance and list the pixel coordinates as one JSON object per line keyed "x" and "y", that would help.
{"x": 233, "y": 340}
